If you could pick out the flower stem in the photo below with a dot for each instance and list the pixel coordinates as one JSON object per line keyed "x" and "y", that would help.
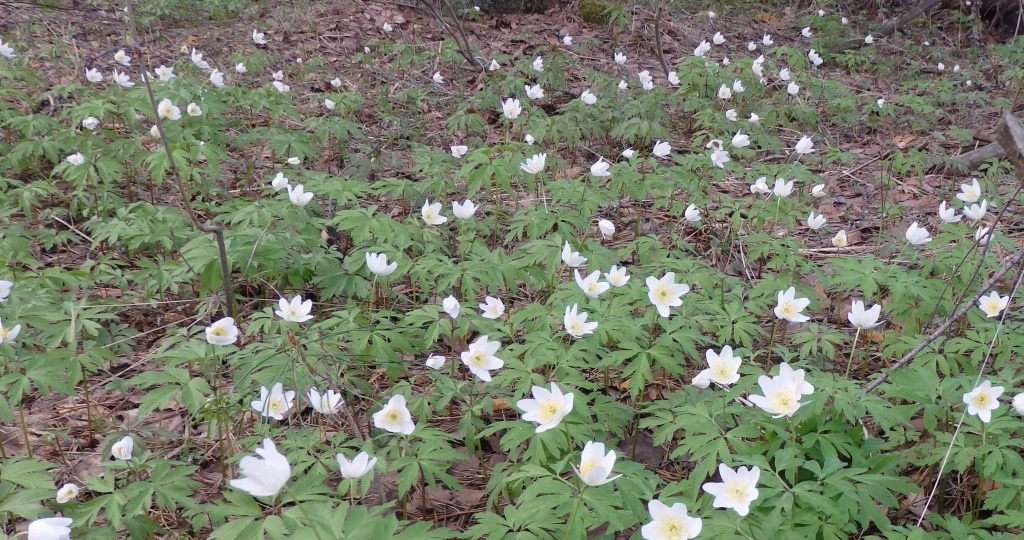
{"x": 853, "y": 349}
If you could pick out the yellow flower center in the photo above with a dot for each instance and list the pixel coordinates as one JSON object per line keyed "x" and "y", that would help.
{"x": 219, "y": 331}
{"x": 548, "y": 411}
{"x": 587, "y": 466}
{"x": 477, "y": 358}
{"x": 276, "y": 404}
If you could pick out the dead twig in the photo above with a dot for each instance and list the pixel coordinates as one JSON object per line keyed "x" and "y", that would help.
{"x": 658, "y": 48}
{"x": 927, "y": 6}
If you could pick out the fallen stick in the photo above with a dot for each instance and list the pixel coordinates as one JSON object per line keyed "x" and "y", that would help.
{"x": 971, "y": 160}
{"x": 924, "y": 7}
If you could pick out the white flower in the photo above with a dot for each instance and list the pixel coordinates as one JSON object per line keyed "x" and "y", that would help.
{"x": 435, "y": 361}
{"x": 740, "y": 140}
{"x": 193, "y": 110}
{"x": 616, "y": 276}
{"x": 845, "y": 21}
{"x": 645, "y": 76}
{"x": 279, "y": 182}
{"x": 123, "y": 448}
{"x": 431, "y": 213}
{"x": 281, "y": 87}
{"x": 529, "y": 139}
{"x": 781, "y": 393}
{"x": 492, "y": 308}
{"x": 956, "y": 68}
{"x": 240, "y": 68}
{"x": 495, "y": 66}
{"x": 620, "y": 58}
{"x": 725, "y": 60}
{"x": 438, "y": 78}
{"x": 600, "y": 168}
{"x": 767, "y": 40}
{"x": 588, "y": 98}
{"x": 782, "y": 188}
{"x": 480, "y": 358}
{"x": 869, "y": 39}
{"x": 941, "y": 66}
{"x": 222, "y": 332}
{"x": 294, "y": 310}
{"x": 1018, "y": 403}
{"x": 7, "y": 51}
{"x": 336, "y": 82}
{"x": 993, "y": 304}
{"x": 806, "y": 32}
{"x": 751, "y": 46}
{"x": 93, "y": 75}
{"x": 711, "y": 14}
{"x": 661, "y": 149}
{"x": 278, "y": 75}
{"x": 274, "y": 402}
{"x": 790, "y": 307}
{"x": 197, "y": 59}
{"x": 724, "y": 92}
{"x": 459, "y": 150}
{"x": 737, "y": 490}
{"x": 298, "y": 195}
{"x": 692, "y": 213}
{"x": 538, "y": 64}
{"x": 590, "y": 285}
{"x": 815, "y": 222}
{"x": 665, "y": 293}
{"x": 7, "y": 335}
{"x": 464, "y": 210}
{"x": 547, "y": 407}
{"x": 623, "y": 85}
{"x": 51, "y": 528}
{"x": 163, "y": 72}
{"x": 217, "y": 79}
{"x": 387, "y": 27}
{"x": 673, "y": 78}
{"x": 451, "y": 306}
{"x": 257, "y": 37}
{"x": 263, "y": 476}
{"x": 805, "y": 145}
{"x": 330, "y": 104}
{"x": 576, "y": 323}
{"x": 840, "y": 240}
{"x": 154, "y": 131}
{"x": 723, "y": 369}
{"x": 596, "y": 465}
{"x": 982, "y": 235}
{"x": 66, "y": 493}
{"x": 821, "y": 12}
{"x": 970, "y": 193}
{"x": 702, "y": 49}
{"x": 983, "y": 400}
{"x": 358, "y": 467}
{"x": 861, "y": 318}
{"x": 976, "y": 211}
{"x": 628, "y": 153}
{"x": 534, "y": 164}
{"x": 814, "y": 57}
{"x": 606, "y": 228}
{"x": 511, "y": 108}
{"x": 737, "y": 86}
{"x": 122, "y": 58}
{"x": 948, "y": 215}
{"x": 570, "y": 257}
{"x": 166, "y": 109}
{"x": 718, "y": 38}
{"x": 327, "y": 403}
{"x": 793, "y": 88}
{"x": 122, "y": 79}
{"x": 760, "y": 187}
{"x": 731, "y": 115}
{"x": 534, "y": 92}
{"x": 917, "y": 235}
{"x": 378, "y": 264}
{"x": 670, "y": 522}
{"x": 76, "y": 159}
{"x": 784, "y": 74}
{"x": 818, "y": 191}
{"x": 395, "y": 417}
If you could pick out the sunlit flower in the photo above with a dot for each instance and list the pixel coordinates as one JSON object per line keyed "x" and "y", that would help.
{"x": 673, "y": 78}
{"x": 782, "y": 188}
{"x": 976, "y": 211}
{"x": 217, "y": 79}
{"x": 529, "y": 139}
{"x": 534, "y": 92}
{"x": 222, "y": 332}
{"x": 740, "y": 140}
{"x": 451, "y": 306}
{"x": 623, "y": 85}
{"x": 793, "y": 88}
{"x": 154, "y": 131}
{"x": 760, "y": 187}
{"x": 723, "y": 368}
{"x": 993, "y": 304}
{"x": 617, "y": 276}
{"x": 665, "y": 293}
{"x": 606, "y": 228}
{"x": 702, "y": 49}
{"x": 806, "y": 32}
{"x": 329, "y": 104}
{"x": 295, "y": 310}
{"x": 165, "y": 109}
{"x": 122, "y": 58}
{"x": 327, "y": 403}
{"x": 76, "y": 159}
{"x": 197, "y": 59}
{"x": 588, "y": 97}
{"x": 790, "y": 307}
{"x": 431, "y": 213}
{"x": 570, "y": 257}
{"x": 51, "y": 528}
{"x": 534, "y": 164}
{"x": 279, "y": 182}
{"x": 193, "y": 110}
{"x": 767, "y": 40}
{"x": 590, "y": 285}
{"x": 983, "y": 400}
{"x": 163, "y": 72}
{"x": 464, "y": 210}
{"x": 538, "y": 64}
{"x": 281, "y": 87}
{"x": 336, "y": 82}
{"x": 692, "y": 213}
{"x": 576, "y": 323}
{"x": 645, "y": 77}
{"x": 600, "y": 168}
{"x": 480, "y": 359}
{"x": 737, "y": 86}
{"x": 661, "y": 149}
{"x": 93, "y": 75}
{"x": 970, "y": 193}
{"x": 628, "y": 153}
{"x": 263, "y": 476}
{"x": 869, "y": 39}
{"x": 804, "y": 146}
{"x": 818, "y": 191}
{"x": 784, "y": 74}
{"x": 751, "y": 46}
{"x": 274, "y": 402}
{"x": 378, "y": 264}
{"x": 840, "y": 240}
{"x": 298, "y": 195}
{"x": 1018, "y": 403}
{"x": 940, "y": 66}
{"x": 7, "y": 335}
{"x": 815, "y": 222}
{"x": 718, "y": 38}
{"x": 982, "y": 235}
{"x": 731, "y": 115}
{"x": 492, "y": 308}
{"x": 358, "y": 467}
{"x": 459, "y": 150}
{"x": 7, "y": 51}
{"x": 724, "y": 92}
{"x": 737, "y": 490}
{"x": 861, "y": 318}
{"x": 917, "y": 235}
{"x": 123, "y": 448}
{"x": 596, "y": 465}
{"x": 547, "y": 407}
{"x": 781, "y": 395}
{"x": 719, "y": 158}
{"x": 395, "y": 417}
{"x": 435, "y": 361}
{"x": 67, "y": 493}
{"x": 670, "y": 522}
{"x": 495, "y": 66}
{"x": 387, "y": 27}
{"x": 438, "y": 78}
{"x": 814, "y": 57}
{"x": 240, "y": 68}
{"x": 122, "y": 79}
